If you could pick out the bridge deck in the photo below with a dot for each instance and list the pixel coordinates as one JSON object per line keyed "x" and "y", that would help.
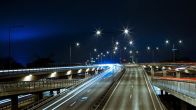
{"x": 132, "y": 92}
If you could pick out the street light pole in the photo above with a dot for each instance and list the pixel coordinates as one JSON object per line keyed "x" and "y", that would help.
{"x": 174, "y": 53}
{"x": 70, "y": 54}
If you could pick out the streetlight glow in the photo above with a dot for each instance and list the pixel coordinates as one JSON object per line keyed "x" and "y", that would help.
{"x": 148, "y": 48}
{"x": 117, "y": 43}
{"x": 107, "y": 52}
{"x": 95, "y": 50}
{"x": 77, "y": 44}
{"x": 115, "y": 48}
{"x": 167, "y": 41}
{"x": 125, "y": 48}
{"x": 157, "y": 48}
{"x": 130, "y": 51}
{"x": 126, "y": 31}
{"x": 180, "y": 41}
{"x": 98, "y": 33}
{"x": 131, "y": 42}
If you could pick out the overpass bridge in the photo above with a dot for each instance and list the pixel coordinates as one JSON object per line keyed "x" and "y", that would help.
{"x": 14, "y": 83}
{"x": 177, "y": 79}
{"x": 93, "y": 86}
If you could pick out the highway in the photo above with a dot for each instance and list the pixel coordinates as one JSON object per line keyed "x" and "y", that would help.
{"x": 131, "y": 93}
{"x": 84, "y": 96}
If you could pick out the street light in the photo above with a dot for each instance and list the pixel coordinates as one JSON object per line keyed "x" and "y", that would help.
{"x": 107, "y": 52}
{"x": 115, "y": 48}
{"x": 125, "y": 48}
{"x": 148, "y": 47}
{"x": 95, "y": 50}
{"x": 98, "y": 33}
{"x": 180, "y": 41}
{"x": 167, "y": 42}
{"x": 117, "y": 43}
{"x": 131, "y": 42}
{"x": 157, "y": 48}
{"x": 174, "y": 48}
{"x": 126, "y": 31}
{"x": 77, "y": 44}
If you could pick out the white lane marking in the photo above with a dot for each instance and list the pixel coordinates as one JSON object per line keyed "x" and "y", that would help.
{"x": 80, "y": 88}
{"x": 73, "y": 103}
{"x": 149, "y": 92}
{"x": 153, "y": 90}
{"x": 130, "y": 96}
{"x": 113, "y": 92}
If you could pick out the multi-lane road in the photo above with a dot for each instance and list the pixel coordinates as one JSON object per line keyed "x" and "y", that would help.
{"x": 84, "y": 96}
{"x": 131, "y": 93}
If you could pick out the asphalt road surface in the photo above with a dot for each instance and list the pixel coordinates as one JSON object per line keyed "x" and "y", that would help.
{"x": 131, "y": 93}
{"x": 83, "y": 97}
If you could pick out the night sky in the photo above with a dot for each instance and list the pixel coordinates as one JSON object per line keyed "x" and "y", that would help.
{"x": 45, "y": 28}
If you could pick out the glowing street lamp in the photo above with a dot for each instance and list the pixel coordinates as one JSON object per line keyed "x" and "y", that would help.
{"x": 180, "y": 41}
{"x": 148, "y": 47}
{"x": 117, "y": 43}
{"x": 95, "y": 50}
{"x": 77, "y": 44}
{"x": 125, "y": 48}
{"x": 126, "y": 31}
{"x": 157, "y": 48}
{"x": 167, "y": 42}
{"x": 107, "y": 52}
{"x": 174, "y": 48}
{"x": 131, "y": 42}
{"x": 130, "y": 51}
{"x": 98, "y": 33}
{"x": 116, "y": 48}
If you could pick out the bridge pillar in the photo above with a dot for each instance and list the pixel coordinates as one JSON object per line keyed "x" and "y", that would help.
{"x": 51, "y": 93}
{"x": 69, "y": 77}
{"x": 58, "y": 91}
{"x": 96, "y": 72}
{"x": 38, "y": 96}
{"x": 183, "y": 105}
{"x": 86, "y": 74}
{"x": 178, "y": 74}
{"x": 164, "y": 73}
{"x": 14, "y": 102}
{"x": 161, "y": 92}
{"x": 152, "y": 71}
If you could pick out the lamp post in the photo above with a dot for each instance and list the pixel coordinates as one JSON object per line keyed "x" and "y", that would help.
{"x": 77, "y": 44}
{"x": 153, "y": 51}
{"x": 174, "y": 49}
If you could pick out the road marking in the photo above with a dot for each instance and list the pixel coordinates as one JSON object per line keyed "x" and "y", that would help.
{"x": 73, "y": 103}
{"x": 130, "y": 96}
{"x": 150, "y": 92}
{"x": 113, "y": 91}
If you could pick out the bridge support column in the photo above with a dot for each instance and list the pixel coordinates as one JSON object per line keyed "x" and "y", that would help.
{"x": 58, "y": 91}
{"x": 178, "y": 74}
{"x": 96, "y": 72}
{"x": 14, "y": 102}
{"x": 161, "y": 92}
{"x": 152, "y": 72}
{"x": 51, "y": 93}
{"x": 183, "y": 105}
{"x": 38, "y": 96}
{"x": 86, "y": 74}
{"x": 69, "y": 77}
{"x": 164, "y": 73}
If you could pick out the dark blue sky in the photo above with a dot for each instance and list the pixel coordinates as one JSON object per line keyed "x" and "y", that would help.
{"x": 49, "y": 26}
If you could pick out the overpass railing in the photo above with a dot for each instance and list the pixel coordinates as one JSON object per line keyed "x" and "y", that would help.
{"x": 31, "y": 86}
{"x": 187, "y": 88}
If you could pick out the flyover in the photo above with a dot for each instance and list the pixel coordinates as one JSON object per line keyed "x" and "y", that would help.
{"x": 177, "y": 79}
